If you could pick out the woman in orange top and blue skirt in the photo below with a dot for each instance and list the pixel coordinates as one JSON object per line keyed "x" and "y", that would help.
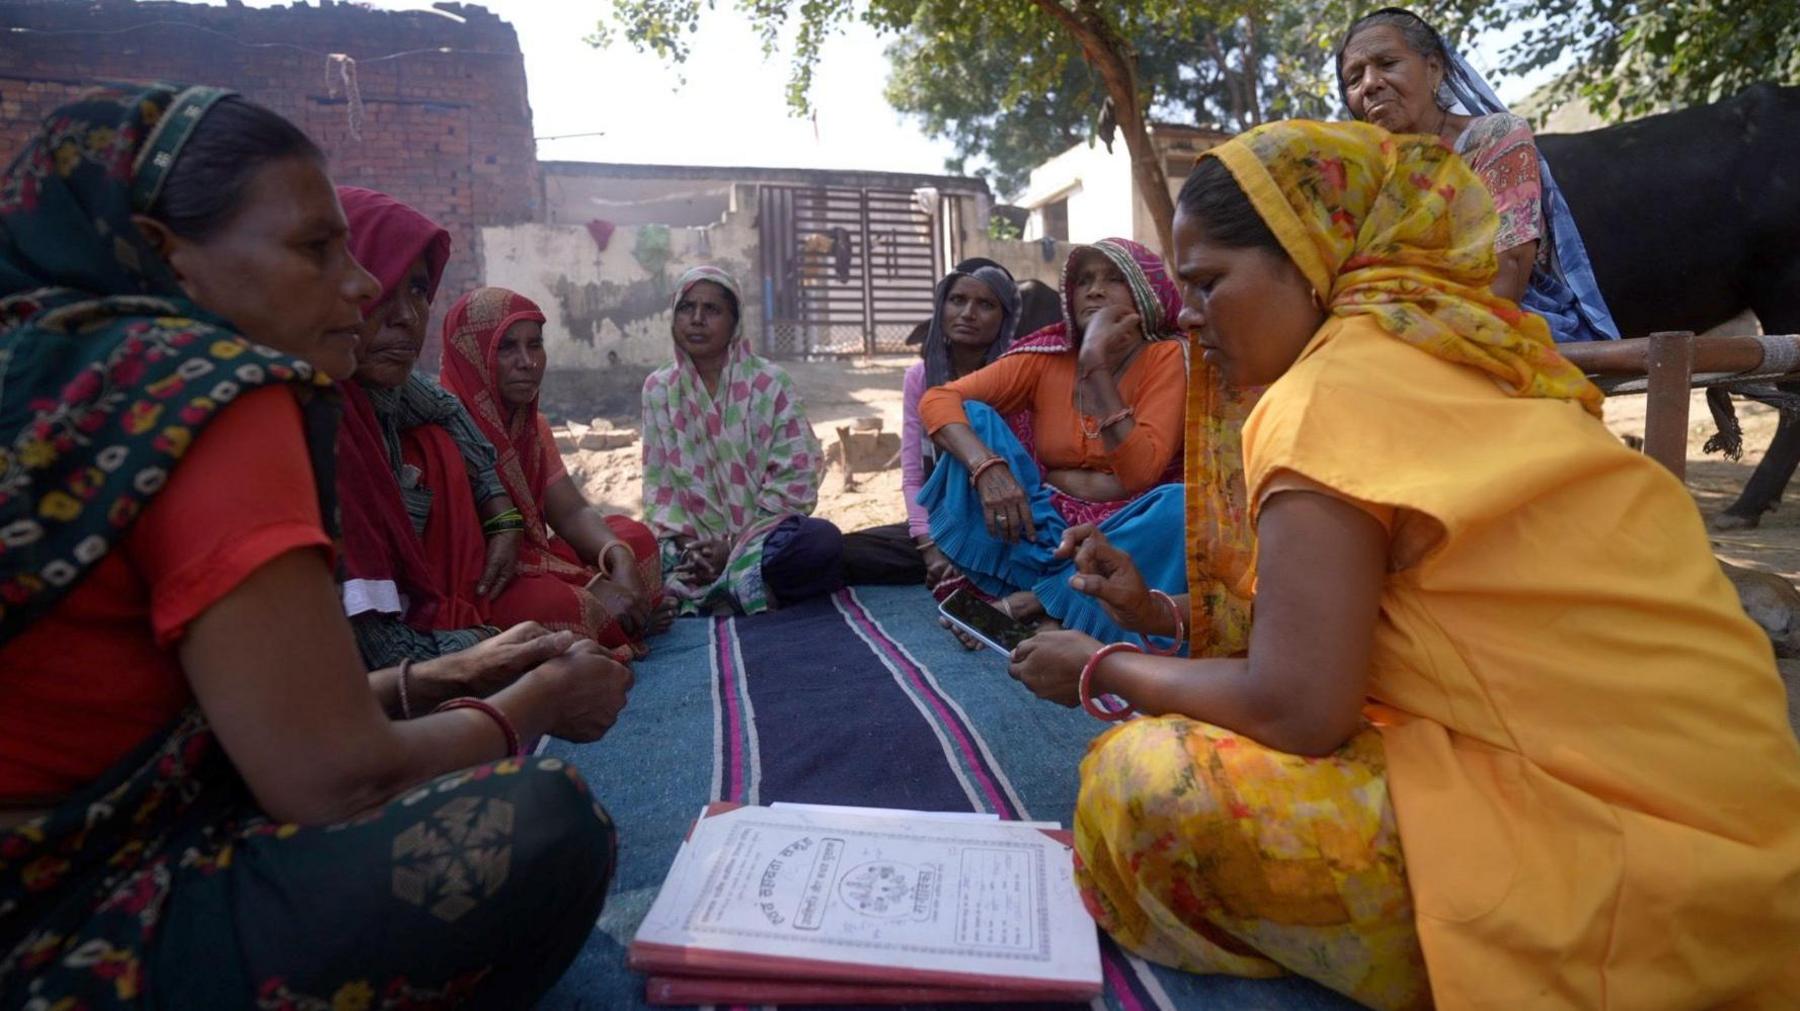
{"x": 1504, "y": 736}
{"x": 1102, "y": 398}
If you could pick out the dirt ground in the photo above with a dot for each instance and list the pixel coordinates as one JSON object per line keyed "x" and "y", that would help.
{"x": 1716, "y": 481}
{"x": 838, "y": 392}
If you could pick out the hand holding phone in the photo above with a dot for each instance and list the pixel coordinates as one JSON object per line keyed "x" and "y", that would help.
{"x": 988, "y": 624}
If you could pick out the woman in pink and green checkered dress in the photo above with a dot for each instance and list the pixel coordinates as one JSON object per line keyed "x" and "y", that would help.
{"x": 731, "y": 466}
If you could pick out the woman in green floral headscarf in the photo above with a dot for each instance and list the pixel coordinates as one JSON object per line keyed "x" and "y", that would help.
{"x": 182, "y": 709}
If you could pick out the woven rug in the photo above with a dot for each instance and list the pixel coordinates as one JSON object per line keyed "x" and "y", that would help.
{"x": 859, "y": 699}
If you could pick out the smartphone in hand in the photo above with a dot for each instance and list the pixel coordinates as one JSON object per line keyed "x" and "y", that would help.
{"x": 991, "y": 626}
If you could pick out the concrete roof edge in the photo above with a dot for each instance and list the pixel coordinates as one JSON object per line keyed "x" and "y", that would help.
{"x": 768, "y": 174}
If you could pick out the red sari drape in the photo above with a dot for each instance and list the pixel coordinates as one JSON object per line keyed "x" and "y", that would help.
{"x": 550, "y": 587}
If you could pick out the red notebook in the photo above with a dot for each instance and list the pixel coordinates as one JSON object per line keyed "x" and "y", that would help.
{"x": 829, "y": 906}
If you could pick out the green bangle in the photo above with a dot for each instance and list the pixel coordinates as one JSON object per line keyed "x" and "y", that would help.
{"x": 504, "y": 522}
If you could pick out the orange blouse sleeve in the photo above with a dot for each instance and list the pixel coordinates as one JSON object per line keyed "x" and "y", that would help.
{"x": 1006, "y": 385}
{"x": 1157, "y": 403}
{"x": 243, "y": 495}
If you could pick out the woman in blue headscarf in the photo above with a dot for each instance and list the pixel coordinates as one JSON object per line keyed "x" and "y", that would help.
{"x": 1395, "y": 71}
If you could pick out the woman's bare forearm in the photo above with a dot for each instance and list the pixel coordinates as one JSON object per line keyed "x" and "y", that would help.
{"x": 960, "y": 441}
{"x": 274, "y": 667}
{"x": 1225, "y": 693}
{"x": 569, "y": 514}
{"x": 1105, "y": 401}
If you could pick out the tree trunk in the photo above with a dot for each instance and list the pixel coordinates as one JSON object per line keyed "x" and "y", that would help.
{"x": 1252, "y": 71}
{"x": 1110, "y": 56}
{"x": 1240, "y": 118}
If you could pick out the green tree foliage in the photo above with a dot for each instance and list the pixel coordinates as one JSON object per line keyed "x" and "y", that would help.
{"x": 1008, "y": 93}
{"x": 1629, "y": 59}
{"x": 1012, "y": 82}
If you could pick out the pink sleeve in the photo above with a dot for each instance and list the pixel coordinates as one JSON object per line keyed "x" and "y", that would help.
{"x": 912, "y": 450}
{"x": 1502, "y": 152}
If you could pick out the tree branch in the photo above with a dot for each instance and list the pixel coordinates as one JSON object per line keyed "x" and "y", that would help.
{"x": 1252, "y": 70}
{"x": 1232, "y": 86}
{"x": 1111, "y": 57}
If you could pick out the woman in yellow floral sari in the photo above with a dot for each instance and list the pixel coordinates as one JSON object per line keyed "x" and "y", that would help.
{"x": 1503, "y": 734}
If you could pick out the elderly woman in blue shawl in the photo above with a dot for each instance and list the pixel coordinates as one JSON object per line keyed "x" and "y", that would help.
{"x": 1395, "y": 71}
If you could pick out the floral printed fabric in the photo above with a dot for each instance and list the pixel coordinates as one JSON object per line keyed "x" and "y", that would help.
{"x": 1502, "y": 152}
{"x": 1221, "y": 539}
{"x": 1200, "y": 849}
{"x": 1399, "y": 228}
{"x": 732, "y": 466}
{"x": 107, "y": 372}
{"x": 165, "y": 863}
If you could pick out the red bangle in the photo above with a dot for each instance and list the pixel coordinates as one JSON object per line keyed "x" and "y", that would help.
{"x": 984, "y": 466}
{"x": 513, "y": 750}
{"x": 1088, "y": 702}
{"x": 1180, "y": 627}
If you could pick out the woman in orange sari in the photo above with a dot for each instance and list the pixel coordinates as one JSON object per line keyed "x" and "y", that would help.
{"x": 1503, "y": 736}
{"x": 599, "y": 575}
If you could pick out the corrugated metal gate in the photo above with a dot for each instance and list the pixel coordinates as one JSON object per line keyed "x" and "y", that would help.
{"x": 848, "y": 271}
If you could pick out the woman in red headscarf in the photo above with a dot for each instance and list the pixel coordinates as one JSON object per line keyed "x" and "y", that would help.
{"x": 430, "y": 535}
{"x": 598, "y": 575}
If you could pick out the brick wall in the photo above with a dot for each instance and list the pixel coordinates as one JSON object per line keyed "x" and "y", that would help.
{"x": 448, "y": 132}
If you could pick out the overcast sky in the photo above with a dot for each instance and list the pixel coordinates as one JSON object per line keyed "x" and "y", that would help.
{"x": 731, "y": 109}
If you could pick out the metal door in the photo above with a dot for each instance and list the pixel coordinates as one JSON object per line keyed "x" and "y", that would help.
{"x": 848, "y": 271}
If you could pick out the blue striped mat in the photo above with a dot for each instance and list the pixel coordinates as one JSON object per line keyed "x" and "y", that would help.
{"x": 860, "y": 699}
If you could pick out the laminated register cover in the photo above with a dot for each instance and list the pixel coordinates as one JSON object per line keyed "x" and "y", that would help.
{"x": 805, "y": 904}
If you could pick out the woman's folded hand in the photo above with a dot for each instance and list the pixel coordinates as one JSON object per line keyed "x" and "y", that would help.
{"x": 1109, "y": 339}
{"x": 486, "y": 667}
{"x": 588, "y": 688}
{"x": 631, "y": 610}
{"x": 1004, "y": 506}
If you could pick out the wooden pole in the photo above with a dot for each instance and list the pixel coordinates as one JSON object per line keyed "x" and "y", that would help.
{"x": 1671, "y": 369}
{"x": 1631, "y": 357}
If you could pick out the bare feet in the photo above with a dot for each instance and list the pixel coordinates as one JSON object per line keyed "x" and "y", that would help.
{"x": 1023, "y": 607}
{"x": 662, "y": 617}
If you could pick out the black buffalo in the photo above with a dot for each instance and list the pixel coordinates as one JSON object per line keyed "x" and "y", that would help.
{"x": 1691, "y": 217}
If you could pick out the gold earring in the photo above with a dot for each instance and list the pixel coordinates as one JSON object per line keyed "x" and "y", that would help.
{"x": 1318, "y": 301}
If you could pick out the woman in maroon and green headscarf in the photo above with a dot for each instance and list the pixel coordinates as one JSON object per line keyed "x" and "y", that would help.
{"x": 199, "y": 789}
